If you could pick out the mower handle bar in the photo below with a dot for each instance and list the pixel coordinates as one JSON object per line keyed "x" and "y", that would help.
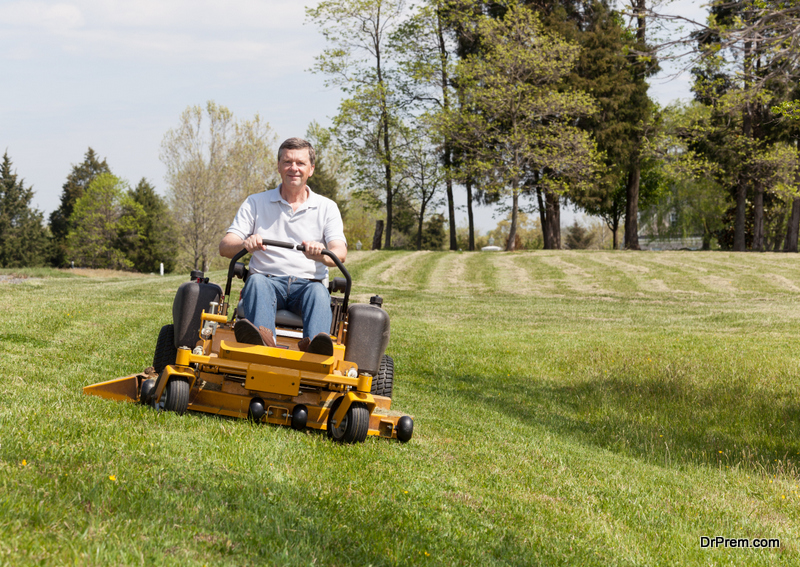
{"x": 301, "y": 248}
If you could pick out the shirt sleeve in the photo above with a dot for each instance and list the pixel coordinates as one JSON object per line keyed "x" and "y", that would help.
{"x": 334, "y": 227}
{"x": 244, "y": 223}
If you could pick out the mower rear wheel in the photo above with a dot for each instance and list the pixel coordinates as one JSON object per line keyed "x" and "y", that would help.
{"x": 354, "y": 426}
{"x": 165, "y": 348}
{"x": 384, "y": 380}
{"x": 177, "y": 395}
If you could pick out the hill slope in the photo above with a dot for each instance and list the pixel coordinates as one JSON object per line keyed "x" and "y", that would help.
{"x": 575, "y": 408}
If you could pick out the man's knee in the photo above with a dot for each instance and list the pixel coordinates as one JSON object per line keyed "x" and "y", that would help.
{"x": 259, "y": 285}
{"x": 317, "y": 294}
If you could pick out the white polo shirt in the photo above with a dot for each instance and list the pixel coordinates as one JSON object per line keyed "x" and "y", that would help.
{"x": 271, "y": 216}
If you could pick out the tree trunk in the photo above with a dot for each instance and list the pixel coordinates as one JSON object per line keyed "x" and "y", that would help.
{"x": 387, "y": 154}
{"x": 548, "y": 243}
{"x": 632, "y": 206}
{"x": 776, "y": 239}
{"x": 376, "y": 238}
{"x": 388, "y": 170}
{"x": 470, "y": 217}
{"x": 758, "y": 219}
{"x": 739, "y": 243}
{"x": 554, "y": 214}
{"x": 706, "y": 236}
{"x": 739, "y": 223}
{"x": 550, "y": 216}
{"x": 794, "y": 227}
{"x": 512, "y": 231}
{"x": 451, "y": 206}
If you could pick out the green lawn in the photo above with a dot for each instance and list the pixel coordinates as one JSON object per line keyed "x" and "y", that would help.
{"x": 571, "y": 408}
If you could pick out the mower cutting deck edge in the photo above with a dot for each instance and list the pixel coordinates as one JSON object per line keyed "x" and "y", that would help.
{"x": 198, "y": 365}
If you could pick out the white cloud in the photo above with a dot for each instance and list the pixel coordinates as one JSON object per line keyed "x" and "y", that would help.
{"x": 51, "y": 16}
{"x": 172, "y": 31}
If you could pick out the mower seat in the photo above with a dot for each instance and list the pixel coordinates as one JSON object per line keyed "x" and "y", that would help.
{"x": 286, "y": 318}
{"x": 283, "y": 318}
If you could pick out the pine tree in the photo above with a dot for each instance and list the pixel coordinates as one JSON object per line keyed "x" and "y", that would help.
{"x": 325, "y": 184}
{"x": 155, "y": 238}
{"x": 61, "y": 222}
{"x": 23, "y": 239}
{"x": 98, "y": 219}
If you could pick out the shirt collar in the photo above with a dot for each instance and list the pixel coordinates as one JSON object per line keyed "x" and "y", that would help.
{"x": 312, "y": 201}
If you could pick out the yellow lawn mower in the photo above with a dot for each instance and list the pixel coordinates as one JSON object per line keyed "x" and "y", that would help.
{"x": 198, "y": 365}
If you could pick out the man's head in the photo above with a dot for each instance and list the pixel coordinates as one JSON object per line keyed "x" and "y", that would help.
{"x": 298, "y": 144}
{"x": 295, "y": 163}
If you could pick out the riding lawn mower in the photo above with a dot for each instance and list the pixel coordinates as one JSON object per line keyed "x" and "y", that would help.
{"x": 198, "y": 365}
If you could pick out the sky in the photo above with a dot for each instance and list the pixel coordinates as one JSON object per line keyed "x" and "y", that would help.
{"x": 115, "y": 75}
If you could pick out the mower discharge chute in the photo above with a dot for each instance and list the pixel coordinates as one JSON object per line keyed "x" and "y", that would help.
{"x": 199, "y": 366}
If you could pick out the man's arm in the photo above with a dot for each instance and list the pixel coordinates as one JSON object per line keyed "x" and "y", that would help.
{"x": 231, "y": 244}
{"x": 313, "y": 251}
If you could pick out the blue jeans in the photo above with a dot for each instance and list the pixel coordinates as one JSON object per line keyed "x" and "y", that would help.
{"x": 263, "y": 296}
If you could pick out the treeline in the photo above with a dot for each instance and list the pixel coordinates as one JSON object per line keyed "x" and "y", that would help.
{"x": 523, "y": 105}
{"x": 527, "y": 104}
{"x": 101, "y": 222}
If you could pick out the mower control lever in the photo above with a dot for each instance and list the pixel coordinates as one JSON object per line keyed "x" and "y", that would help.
{"x": 301, "y": 248}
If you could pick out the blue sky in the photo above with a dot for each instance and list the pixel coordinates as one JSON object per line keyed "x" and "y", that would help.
{"x": 116, "y": 75}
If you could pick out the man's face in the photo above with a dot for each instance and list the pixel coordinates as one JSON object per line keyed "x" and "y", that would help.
{"x": 295, "y": 168}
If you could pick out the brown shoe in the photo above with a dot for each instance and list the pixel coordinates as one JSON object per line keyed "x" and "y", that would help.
{"x": 247, "y": 333}
{"x": 321, "y": 344}
{"x": 266, "y": 337}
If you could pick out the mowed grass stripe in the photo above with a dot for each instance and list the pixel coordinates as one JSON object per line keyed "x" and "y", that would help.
{"x": 358, "y": 262}
{"x": 621, "y": 276}
{"x": 580, "y": 278}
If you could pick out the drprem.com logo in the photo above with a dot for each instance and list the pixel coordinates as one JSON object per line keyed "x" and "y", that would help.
{"x": 729, "y": 542}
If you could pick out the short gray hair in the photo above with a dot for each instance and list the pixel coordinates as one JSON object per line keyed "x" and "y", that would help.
{"x": 298, "y": 144}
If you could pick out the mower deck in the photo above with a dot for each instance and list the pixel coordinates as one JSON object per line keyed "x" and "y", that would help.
{"x": 226, "y": 381}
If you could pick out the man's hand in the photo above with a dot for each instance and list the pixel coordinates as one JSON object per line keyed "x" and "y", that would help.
{"x": 313, "y": 251}
{"x": 254, "y": 242}
{"x": 232, "y": 244}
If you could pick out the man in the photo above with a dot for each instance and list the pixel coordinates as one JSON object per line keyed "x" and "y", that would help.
{"x": 281, "y": 278}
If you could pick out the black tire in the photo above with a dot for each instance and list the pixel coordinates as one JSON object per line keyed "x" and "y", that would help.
{"x": 177, "y": 395}
{"x": 165, "y": 349}
{"x": 383, "y": 381}
{"x": 354, "y": 426}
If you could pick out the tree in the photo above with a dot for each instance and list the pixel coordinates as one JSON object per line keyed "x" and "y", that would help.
{"x": 528, "y": 235}
{"x": 433, "y": 234}
{"x": 604, "y": 68}
{"x": 331, "y": 172}
{"x": 515, "y": 127}
{"x": 23, "y": 239}
{"x": 745, "y": 59}
{"x": 423, "y": 175}
{"x": 61, "y": 219}
{"x": 97, "y": 216}
{"x": 643, "y": 64}
{"x": 426, "y": 49}
{"x": 155, "y": 240}
{"x": 578, "y": 237}
{"x": 213, "y": 163}
{"x": 358, "y": 32}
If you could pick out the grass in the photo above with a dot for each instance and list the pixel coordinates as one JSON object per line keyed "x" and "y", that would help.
{"x": 571, "y": 408}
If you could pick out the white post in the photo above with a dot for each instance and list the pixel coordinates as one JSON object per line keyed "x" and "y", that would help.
{"x": 162, "y": 268}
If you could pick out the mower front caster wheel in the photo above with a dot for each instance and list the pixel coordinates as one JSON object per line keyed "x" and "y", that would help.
{"x": 354, "y": 426}
{"x": 175, "y": 397}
